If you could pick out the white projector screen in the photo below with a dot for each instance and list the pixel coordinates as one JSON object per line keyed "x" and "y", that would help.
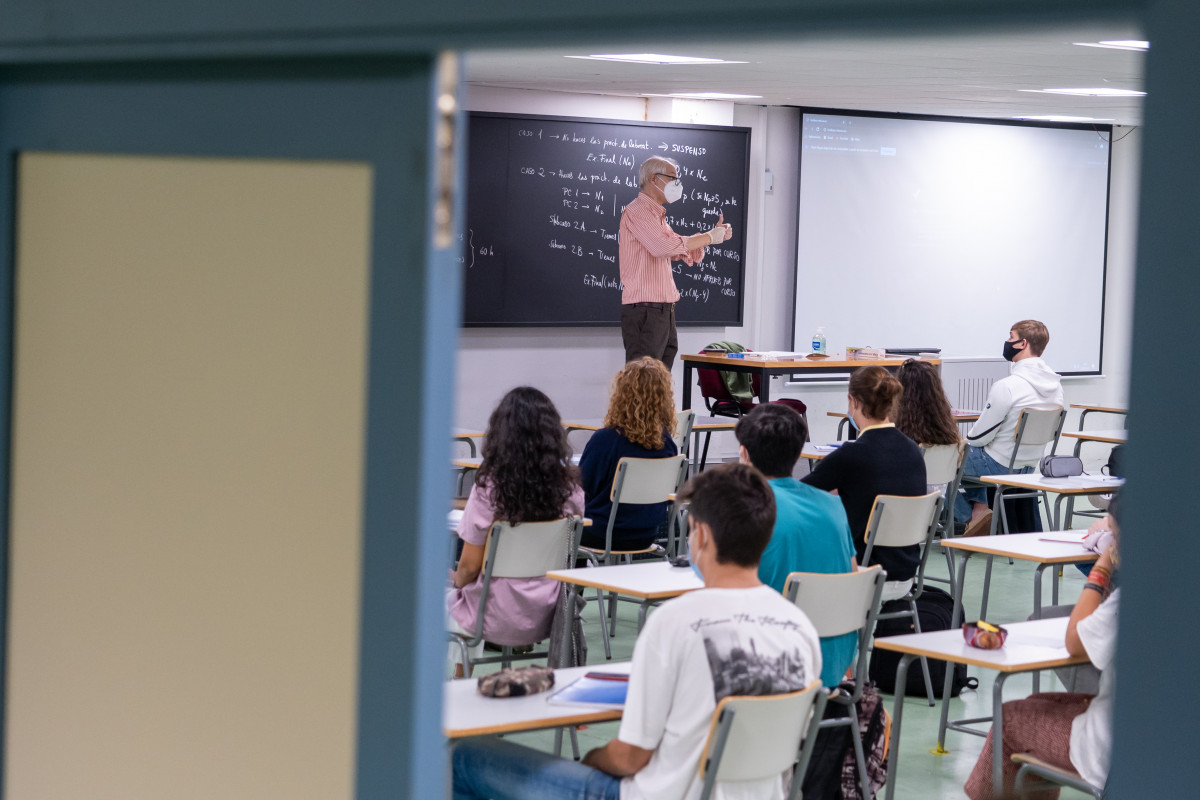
{"x": 942, "y": 232}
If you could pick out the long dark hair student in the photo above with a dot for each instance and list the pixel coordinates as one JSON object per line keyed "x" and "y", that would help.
{"x": 526, "y": 458}
{"x": 923, "y": 413}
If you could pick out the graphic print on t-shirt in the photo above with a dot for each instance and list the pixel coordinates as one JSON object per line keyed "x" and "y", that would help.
{"x": 740, "y": 666}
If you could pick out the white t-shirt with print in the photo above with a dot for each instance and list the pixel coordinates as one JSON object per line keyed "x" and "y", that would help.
{"x": 693, "y": 651}
{"x": 1091, "y": 731}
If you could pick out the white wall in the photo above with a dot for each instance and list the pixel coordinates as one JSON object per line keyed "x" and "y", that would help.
{"x": 575, "y": 365}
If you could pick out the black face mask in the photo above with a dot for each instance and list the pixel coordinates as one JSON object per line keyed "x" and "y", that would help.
{"x": 1010, "y": 350}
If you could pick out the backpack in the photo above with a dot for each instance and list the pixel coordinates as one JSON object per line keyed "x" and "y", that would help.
{"x": 934, "y": 609}
{"x": 1116, "y": 466}
{"x": 832, "y": 769}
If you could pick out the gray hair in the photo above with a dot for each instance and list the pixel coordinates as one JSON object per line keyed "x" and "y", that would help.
{"x": 652, "y": 166}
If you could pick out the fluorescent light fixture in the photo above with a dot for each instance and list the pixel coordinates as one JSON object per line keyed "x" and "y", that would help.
{"x": 654, "y": 58}
{"x": 708, "y": 96}
{"x": 1101, "y": 91}
{"x": 1118, "y": 44}
{"x": 1061, "y": 118}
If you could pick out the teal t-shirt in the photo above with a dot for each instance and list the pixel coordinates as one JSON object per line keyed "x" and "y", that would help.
{"x": 811, "y": 535}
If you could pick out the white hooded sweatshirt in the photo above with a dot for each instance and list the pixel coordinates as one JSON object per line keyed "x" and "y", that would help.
{"x": 1031, "y": 384}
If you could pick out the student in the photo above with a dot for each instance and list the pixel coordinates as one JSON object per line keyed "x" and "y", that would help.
{"x": 923, "y": 413}
{"x": 525, "y": 476}
{"x": 1066, "y": 729}
{"x": 733, "y": 637}
{"x": 1031, "y": 384}
{"x": 811, "y": 533}
{"x": 640, "y": 421}
{"x": 882, "y": 460}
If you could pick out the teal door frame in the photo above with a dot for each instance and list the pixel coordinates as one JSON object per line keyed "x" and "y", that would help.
{"x": 377, "y": 111}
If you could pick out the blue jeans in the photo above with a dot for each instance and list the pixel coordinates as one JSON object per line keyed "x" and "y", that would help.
{"x": 500, "y": 770}
{"x": 977, "y": 463}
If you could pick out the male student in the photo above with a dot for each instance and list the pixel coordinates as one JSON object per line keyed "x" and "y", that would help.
{"x": 1030, "y": 384}
{"x": 646, "y": 247}
{"x": 811, "y": 532}
{"x": 733, "y": 637}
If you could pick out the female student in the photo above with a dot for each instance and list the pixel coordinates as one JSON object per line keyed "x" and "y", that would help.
{"x": 1066, "y": 729}
{"x": 526, "y": 476}
{"x": 639, "y": 424}
{"x": 923, "y": 413}
{"x": 882, "y": 460}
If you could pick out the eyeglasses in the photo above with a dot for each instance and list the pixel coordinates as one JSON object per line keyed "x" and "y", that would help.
{"x": 674, "y": 178}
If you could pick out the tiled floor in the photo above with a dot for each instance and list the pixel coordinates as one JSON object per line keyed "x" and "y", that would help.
{"x": 922, "y": 774}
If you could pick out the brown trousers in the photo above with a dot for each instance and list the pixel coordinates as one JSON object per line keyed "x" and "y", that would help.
{"x": 648, "y": 329}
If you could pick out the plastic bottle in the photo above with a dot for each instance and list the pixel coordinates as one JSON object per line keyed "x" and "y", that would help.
{"x": 818, "y": 342}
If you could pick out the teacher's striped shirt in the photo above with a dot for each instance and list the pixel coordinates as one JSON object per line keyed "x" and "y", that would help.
{"x": 647, "y": 246}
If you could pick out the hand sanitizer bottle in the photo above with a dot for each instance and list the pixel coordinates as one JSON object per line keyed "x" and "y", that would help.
{"x": 818, "y": 342}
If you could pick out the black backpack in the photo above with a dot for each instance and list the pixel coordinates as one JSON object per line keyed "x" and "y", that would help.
{"x": 934, "y": 609}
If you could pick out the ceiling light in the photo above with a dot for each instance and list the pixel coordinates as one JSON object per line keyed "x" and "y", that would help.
{"x": 709, "y": 96}
{"x": 1118, "y": 44}
{"x": 654, "y": 58}
{"x": 1102, "y": 91}
{"x": 1061, "y": 118}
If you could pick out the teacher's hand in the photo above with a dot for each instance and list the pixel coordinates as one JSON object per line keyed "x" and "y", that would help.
{"x": 721, "y": 232}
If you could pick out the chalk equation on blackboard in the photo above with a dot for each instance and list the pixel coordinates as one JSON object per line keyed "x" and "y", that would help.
{"x": 486, "y": 250}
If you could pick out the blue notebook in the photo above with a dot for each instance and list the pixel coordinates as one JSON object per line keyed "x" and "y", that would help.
{"x": 593, "y": 692}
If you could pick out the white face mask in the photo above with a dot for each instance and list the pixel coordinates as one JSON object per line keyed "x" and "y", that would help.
{"x": 673, "y": 191}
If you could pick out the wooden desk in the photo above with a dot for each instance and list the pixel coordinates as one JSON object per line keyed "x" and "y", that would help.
{"x": 1108, "y": 436}
{"x": 1080, "y": 485}
{"x": 812, "y": 453}
{"x": 834, "y": 364}
{"x": 651, "y": 582}
{"x": 1031, "y": 646}
{"x": 465, "y": 712}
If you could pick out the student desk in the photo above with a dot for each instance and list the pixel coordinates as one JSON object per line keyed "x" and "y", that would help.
{"x": 960, "y": 417}
{"x": 468, "y": 435}
{"x": 815, "y": 452}
{"x": 648, "y": 581}
{"x": 1085, "y": 409}
{"x": 1031, "y": 646}
{"x": 1019, "y": 546}
{"x": 1077, "y": 486}
{"x": 465, "y": 712}
{"x": 1108, "y": 436}
{"x": 766, "y": 369}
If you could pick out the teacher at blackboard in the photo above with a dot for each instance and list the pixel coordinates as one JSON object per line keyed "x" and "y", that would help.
{"x": 647, "y": 246}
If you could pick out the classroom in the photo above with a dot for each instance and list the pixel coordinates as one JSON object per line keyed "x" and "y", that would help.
{"x": 225, "y": 493}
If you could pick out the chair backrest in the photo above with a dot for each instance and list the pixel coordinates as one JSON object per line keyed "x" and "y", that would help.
{"x": 901, "y": 521}
{"x": 526, "y": 550}
{"x": 1037, "y": 427}
{"x": 841, "y": 603}
{"x": 530, "y": 549}
{"x": 942, "y": 461}
{"x": 837, "y": 603}
{"x": 684, "y": 420}
{"x": 753, "y": 738}
{"x": 640, "y": 481}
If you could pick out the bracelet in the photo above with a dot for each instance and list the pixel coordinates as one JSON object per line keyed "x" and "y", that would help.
{"x": 1097, "y": 587}
{"x": 1100, "y": 576}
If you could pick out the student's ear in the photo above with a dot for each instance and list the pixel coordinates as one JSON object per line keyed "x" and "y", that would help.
{"x": 743, "y": 456}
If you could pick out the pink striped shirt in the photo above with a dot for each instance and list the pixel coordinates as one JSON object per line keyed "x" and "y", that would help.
{"x": 647, "y": 245}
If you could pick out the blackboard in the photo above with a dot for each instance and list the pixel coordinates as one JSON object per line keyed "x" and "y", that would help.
{"x": 544, "y": 203}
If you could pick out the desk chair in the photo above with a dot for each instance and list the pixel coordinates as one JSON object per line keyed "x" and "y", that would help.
{"x": 638, "y": 481}
{"x": 684, "y": 420}
{"x": 1051, "y": 773}
{"x": 526, "y": 550}
{"x": 1036, "y": 426}
{"x": 720, "y": 403}
{"x": 838, "y": 604}
{"x": 944, "y": 464}
{"x": 759, "y": 737}
{"x": 902, "y": 522}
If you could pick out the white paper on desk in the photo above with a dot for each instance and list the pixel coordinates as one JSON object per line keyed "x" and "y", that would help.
{"x": 826, "y": 448}
{"x": 1068, "y": 537}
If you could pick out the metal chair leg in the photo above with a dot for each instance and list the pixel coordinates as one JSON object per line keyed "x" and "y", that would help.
{"x": 987, "y": 585}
